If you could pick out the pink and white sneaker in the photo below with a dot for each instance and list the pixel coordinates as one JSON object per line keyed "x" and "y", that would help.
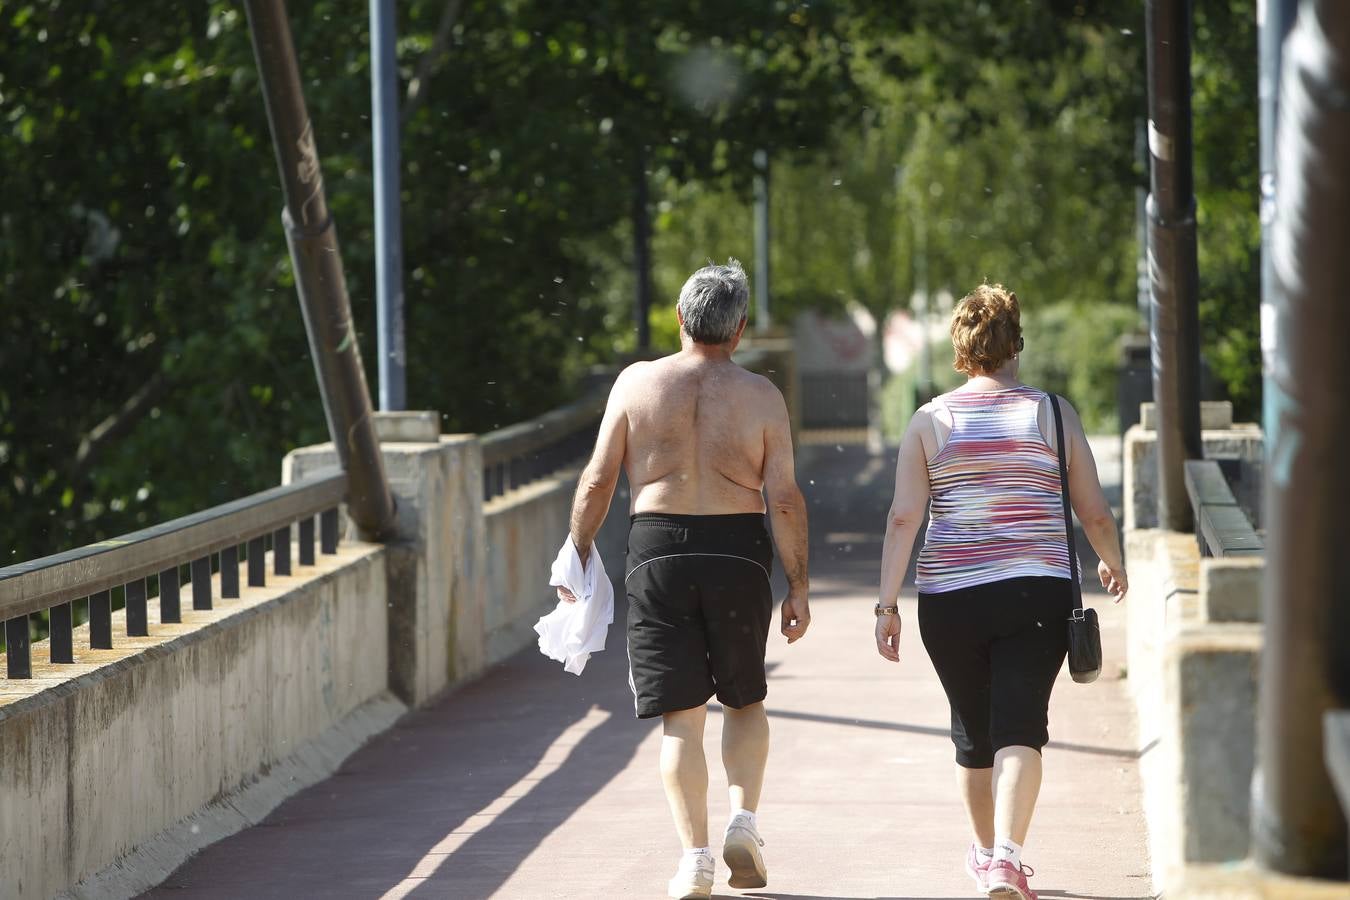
{"x": 1006, "y": 880}
{"x": 976, "y": 868}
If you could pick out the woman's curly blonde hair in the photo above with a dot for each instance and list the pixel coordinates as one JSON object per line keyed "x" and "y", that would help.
{"x": 986, "y": 329}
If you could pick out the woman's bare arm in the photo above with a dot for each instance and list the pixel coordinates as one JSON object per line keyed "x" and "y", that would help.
{"x": 908, "y": 507}
{"x": 1089, "y": 503}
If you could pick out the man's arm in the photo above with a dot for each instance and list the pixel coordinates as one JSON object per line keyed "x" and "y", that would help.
{"x": 595, "y": 487}
{"x": 787, "y": 513}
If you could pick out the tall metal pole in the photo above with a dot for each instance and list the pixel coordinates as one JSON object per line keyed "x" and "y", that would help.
{"x": 319, "y": 278}
{"x": 1173, "y": 273}
{"x": 384, "y": 122}
{"x": 642, "y": 261}
{"x": 1298, "y": 826}
{"x": 762, "y": 321}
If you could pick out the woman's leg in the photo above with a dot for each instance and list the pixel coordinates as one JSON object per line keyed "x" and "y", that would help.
{"x": 1025, "y": 660}
{"x": 1017, "y": 783}
{"x": 977, "y": 790}
{"x": 951, "y": 626}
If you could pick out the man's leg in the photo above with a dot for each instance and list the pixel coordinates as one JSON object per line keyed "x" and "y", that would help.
{"x": 745, "y": 751}
{"x": 684, "y": 771}
{"x": 977, "y": 790}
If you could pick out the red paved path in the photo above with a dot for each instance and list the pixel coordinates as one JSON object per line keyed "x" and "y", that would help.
{"x": 530, "y": 783}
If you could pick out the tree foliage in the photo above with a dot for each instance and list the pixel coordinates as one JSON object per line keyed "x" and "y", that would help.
{"x": 154, "y": 361}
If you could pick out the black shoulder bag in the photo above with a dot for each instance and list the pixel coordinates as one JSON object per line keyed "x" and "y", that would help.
{"x": 1085, "y": 635}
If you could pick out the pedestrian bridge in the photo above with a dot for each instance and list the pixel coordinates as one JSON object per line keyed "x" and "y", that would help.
{"x": 225, "y": 709}
{"x": 530, "y": 783}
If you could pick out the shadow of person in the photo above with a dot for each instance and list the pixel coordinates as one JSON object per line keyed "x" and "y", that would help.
{"x": 435, "y": 806}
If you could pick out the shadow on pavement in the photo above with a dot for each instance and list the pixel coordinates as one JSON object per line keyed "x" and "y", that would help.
{"x": 1119, "y": 752}
{"x": 453, "y": 797}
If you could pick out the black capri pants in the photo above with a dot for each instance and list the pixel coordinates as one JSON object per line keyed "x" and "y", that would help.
{"x": 997, "y": 649}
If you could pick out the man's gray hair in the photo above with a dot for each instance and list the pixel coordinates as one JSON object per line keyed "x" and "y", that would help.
{"x": 714, "y": 301}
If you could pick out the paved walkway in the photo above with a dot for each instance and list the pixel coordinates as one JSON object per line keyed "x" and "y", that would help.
{"x": 530, "y": 783}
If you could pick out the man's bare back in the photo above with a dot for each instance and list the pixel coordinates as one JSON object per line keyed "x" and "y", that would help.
{"x": 696, "y": 435}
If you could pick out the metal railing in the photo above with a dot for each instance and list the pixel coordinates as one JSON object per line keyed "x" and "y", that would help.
{"x": 518, "y": 454}
{"x": 165, "y": 553}
{"x": 1221, "y": 527}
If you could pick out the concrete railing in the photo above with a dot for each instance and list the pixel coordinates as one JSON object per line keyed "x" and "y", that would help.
{"x": 123, "y": 759}
{"x": 1194, "y": 641}
{"x": 141, "y": 741}
{"x": 1221, "y": 527}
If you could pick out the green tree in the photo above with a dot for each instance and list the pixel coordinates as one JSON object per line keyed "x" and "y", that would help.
{"x": 154, "y": 361}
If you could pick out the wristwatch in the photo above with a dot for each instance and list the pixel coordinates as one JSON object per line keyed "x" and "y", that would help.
{"x": 887, "y": 610}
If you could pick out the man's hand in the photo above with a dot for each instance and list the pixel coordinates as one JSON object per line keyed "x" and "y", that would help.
{"x": 1114, "y": 580}
{"x": 565, "y": 595}
{"x": 796, "y": 616}
{"x": 888, "y": 637}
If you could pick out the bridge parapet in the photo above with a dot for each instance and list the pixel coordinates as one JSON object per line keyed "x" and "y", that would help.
{"x": 141, "y": 741}
{"x": 1194, "y": 645}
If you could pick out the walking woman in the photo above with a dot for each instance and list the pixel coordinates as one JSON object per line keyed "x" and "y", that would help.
{"x": 993, "y": 574}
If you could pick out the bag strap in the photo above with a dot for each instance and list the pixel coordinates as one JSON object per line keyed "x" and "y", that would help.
{"x": 1068, "y": 512}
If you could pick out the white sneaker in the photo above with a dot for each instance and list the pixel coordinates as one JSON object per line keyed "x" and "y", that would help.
{"x": 693, "y": 879}
{"x": 740, "y": 850}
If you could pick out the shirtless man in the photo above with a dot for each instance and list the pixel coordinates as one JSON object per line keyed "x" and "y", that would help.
{"x": 704, "y": 444}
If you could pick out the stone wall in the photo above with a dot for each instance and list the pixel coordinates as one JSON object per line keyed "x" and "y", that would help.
{"x": 525, "y": 528}
{"x": 1194, "y": 641}
{"x": 119, "y": 767}
{"x": 1223, "y": 440}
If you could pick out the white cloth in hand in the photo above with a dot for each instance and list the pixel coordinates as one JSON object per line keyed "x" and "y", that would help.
{"x": 573, "y": 631}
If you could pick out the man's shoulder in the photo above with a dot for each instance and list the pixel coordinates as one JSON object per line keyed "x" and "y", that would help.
{"x": 762, "y": 384}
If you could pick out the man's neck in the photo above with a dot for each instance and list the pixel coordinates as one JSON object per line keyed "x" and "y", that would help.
{"x": 706, "y": 352}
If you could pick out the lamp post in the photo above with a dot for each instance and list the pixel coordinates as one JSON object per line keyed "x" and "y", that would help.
{"x": 384, "y": 122}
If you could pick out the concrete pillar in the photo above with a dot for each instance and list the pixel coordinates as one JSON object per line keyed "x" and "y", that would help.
{"x": 438, "y": 563}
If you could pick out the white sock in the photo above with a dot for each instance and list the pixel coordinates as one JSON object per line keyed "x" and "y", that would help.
{"x": 747, "y": 814}
{"x": 697, "y": 851}
{"x": 985, "y": 853}
{"x": 1007, "y": 848}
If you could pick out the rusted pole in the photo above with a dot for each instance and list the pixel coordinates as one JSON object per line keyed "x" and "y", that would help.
{"x": 1173, "y": 275}
{"x": 319, "y": 278}
{"x": 1298, "y": 826}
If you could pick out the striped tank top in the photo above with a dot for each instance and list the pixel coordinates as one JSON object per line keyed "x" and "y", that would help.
{"x": 995, "y": 510}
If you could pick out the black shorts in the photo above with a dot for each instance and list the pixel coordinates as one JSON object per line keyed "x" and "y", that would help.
{"x": 997, "y": 649}
{"x": 699, "y": 607}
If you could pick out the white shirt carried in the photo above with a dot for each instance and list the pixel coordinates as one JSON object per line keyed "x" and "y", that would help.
{"x": 573, "y": 631}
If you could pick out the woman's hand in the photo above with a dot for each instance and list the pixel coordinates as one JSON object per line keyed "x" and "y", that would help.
{"x": 888, "y": 636}
{"x": 1114, "y": 580}
{"x": 565, "y": 595}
